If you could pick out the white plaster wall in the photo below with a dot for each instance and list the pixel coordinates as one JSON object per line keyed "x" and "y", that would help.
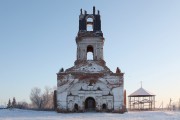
{"x": 70, "y": 105}
{"x": 61, "y": 100}
{"x": 108, "y": 84}
{"x": 97, "y": 44}
{"x": 118, "y": 97}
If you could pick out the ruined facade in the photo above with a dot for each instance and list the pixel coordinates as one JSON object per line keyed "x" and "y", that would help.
{"x": 90, "y": 84}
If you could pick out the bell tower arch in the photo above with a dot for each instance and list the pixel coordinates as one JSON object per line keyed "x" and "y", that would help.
{"x": 90, "y": 50}
{"x": 90, "y": 23}
{"x": 90, "y": 37}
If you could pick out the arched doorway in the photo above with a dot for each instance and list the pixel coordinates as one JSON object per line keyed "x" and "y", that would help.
{"x": 76, "y": 107}
{"x": 104, "y": 107}
{"x": 90, "y": 104}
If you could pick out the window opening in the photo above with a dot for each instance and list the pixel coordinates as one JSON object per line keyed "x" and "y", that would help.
{"x": 90, "y": 55}
{"x": 89, "y": 24}
{"x": 76, "y": 107}
{"x": 104, "y": 106}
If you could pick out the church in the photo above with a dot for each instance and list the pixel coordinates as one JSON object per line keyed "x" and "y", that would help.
{"x": 90, "y": 85}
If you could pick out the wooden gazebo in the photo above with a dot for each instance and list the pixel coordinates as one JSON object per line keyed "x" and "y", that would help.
{"x": 141, "y": 99}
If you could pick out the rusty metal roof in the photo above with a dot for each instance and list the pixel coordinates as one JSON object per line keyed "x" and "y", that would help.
{"x": 141, "y": 92}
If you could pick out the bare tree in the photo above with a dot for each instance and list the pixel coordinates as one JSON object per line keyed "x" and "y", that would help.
{"x": 42, "y": 100}
{"x": 48, "y": 97}
{"x": 35, "y": 97}
{"x": 22, "y": 105}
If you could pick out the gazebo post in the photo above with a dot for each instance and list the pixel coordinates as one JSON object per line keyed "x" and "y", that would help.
{"x": 138, "y": 103}
{"x": 150, "y": 102}
{"x": 154, "y": 102}
{"x": 129, "y": 98}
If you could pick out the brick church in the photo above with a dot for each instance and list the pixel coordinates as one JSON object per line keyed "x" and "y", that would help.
{"x": 90, "y": 85}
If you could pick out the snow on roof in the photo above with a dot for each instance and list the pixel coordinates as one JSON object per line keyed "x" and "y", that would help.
{"x": 141, "y": 92}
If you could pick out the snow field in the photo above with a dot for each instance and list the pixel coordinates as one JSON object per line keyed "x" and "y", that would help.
{"x": 17, "y": 114}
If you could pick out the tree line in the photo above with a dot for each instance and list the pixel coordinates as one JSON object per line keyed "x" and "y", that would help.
{"x": 14, "y": 104}
{"x": 40, "y": 100}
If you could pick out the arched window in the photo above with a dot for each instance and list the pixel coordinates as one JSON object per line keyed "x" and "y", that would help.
{"x": 89, "y": 24}
{"x": 76, "y": 107}
{"x": 90, "y": 55}
{"x": 104, "y": 107}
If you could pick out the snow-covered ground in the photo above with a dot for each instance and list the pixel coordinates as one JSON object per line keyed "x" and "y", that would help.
{"x": 17, "y": 114}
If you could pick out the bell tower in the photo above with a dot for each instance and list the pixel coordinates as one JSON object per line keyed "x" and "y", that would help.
{"x": 90, "y": 37}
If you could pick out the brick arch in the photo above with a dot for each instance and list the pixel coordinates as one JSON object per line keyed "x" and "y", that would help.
{"x": 90, "y": 49}
{"x": 90, "y": 104}
{"x": 104, "y": 106}
{"x": 90, "y": 22}
{"x": 76, "y": 107}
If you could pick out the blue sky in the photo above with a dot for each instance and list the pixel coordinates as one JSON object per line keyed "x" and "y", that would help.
{"x": 37, "y": 38}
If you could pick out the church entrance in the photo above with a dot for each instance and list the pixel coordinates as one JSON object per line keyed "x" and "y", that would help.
{"x": 90, "y": 104}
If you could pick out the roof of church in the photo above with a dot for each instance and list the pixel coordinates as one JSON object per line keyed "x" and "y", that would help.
{"x": 89, "y": 66}
{"x": 141, "y": 92}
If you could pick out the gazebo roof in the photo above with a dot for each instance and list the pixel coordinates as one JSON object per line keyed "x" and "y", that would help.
{"x": 141, "y": 93}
